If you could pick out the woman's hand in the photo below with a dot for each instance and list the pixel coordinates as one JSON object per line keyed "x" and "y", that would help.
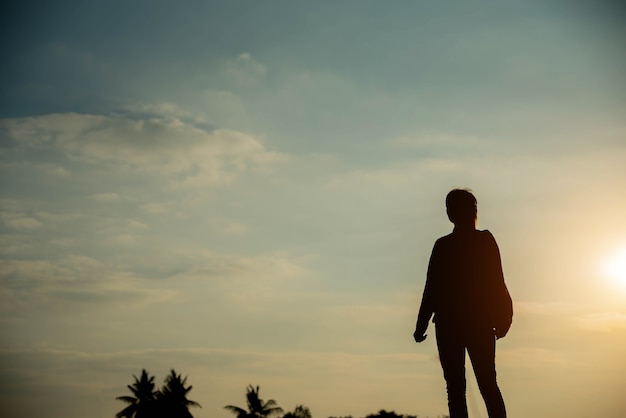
{"x": 419, "y": 336}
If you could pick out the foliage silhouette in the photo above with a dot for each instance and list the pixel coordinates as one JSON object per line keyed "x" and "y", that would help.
{"x": 256, "y": 407}
{"x": 169, "y": 402}
{"x": 300, "y": 411}
{"x": 172, "y": 399}
{"x": 142, "y": 403}
{"x": 391, "y": 414}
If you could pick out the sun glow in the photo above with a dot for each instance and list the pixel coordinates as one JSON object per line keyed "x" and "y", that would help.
{"x": 616, "y": 267}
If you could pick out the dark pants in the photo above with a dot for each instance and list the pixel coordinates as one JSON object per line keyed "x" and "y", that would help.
{"x": 481, "y": 347}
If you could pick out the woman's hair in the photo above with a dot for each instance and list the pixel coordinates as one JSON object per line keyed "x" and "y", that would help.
{"x": 461, "y": 206}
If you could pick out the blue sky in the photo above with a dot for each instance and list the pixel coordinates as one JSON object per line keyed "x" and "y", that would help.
{"x": 249, "y": 192}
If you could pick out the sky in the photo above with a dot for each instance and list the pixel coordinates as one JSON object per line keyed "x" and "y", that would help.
{"x": 248, "y": 192}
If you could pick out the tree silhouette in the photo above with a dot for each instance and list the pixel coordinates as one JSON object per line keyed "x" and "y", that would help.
{"x": 172, "y": 399}
{"x": 142, "y": 403}
{"x": 256, "y": 407}
{"x": 301, "y": 411}
{"x": 170, "y": 402}
{"x": 391, "y": 414}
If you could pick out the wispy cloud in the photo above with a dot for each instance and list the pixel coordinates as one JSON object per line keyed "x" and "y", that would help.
{"x": 533, "y": 357}
{"x": 106, "y": 197}
{"x": 226, "y": 226}
{"x": 19, "y": 221}
{"x": 244, "y": 70}
{"x": 439, "y": 141}
{"x": 184, "y": 154}
{"x": 75, "y": 279}
{"x": 603, "y": 321}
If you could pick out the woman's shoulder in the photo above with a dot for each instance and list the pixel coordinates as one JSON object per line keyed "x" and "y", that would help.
{"x": 444, "y": 239}
{"x": 488, "y": 238}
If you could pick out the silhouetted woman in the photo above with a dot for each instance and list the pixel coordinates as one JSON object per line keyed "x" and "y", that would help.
{"x": 466, "y": 293}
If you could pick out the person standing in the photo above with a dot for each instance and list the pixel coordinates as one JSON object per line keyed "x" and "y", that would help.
{"x": 467, "y": 297}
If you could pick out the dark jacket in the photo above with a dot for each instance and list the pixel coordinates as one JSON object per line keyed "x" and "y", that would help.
{"x": 465, "y": 285}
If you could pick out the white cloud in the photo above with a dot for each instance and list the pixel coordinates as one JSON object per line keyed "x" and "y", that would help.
{"x": 227, "y": 226}
{"x": 183, "y": 153}
{"x": 106, "y": 197}
{"x": 81, "y": 262}
{"x": 56, "y": 170}
{"x": 246, "y": 276}
{"x": 122, "y": 224}
{"x": 603, "y": 321}
{"x": 442, "y": 141}
{"x": 75, "y": 278}
{"x": 162, "y": 110}
{"x": 62, "y": 242}
{"x": 154, "y": 208}
{"x": 19, "y": 221}
{"x": 244, "y": 71}
{"x": 44, "y": 169}
{"x": 129, "y": 240}
{"x": 229, "y": 278}
{"x": 14, "y": 244}
{"x": 544, "y": 308}
{"x": 30, "y": 272}
{"x": 531, "y": 357}
{"x": 122, "y": 230}
{"x": 59, "y": 217}
{"x": 245, "y": 60}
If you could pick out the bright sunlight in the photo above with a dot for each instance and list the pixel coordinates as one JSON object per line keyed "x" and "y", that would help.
{"x": 616, "y": 267}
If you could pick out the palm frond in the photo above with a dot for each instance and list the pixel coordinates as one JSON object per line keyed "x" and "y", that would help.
{"x": 272, "y": 411}
{"x": 127, "y": 412}
{"x": 240, "y": 412}
{"x": 127, "y": 399}
{"x": 193, "y": 403}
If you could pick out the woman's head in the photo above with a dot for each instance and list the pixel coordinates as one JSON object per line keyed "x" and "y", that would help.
{"x": 461, "y": 207}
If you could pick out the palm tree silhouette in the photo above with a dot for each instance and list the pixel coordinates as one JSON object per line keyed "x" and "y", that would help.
{"x": 141, "y": 404}
{"x": 256, "y": 407}
{"x": 172, "y": 399}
